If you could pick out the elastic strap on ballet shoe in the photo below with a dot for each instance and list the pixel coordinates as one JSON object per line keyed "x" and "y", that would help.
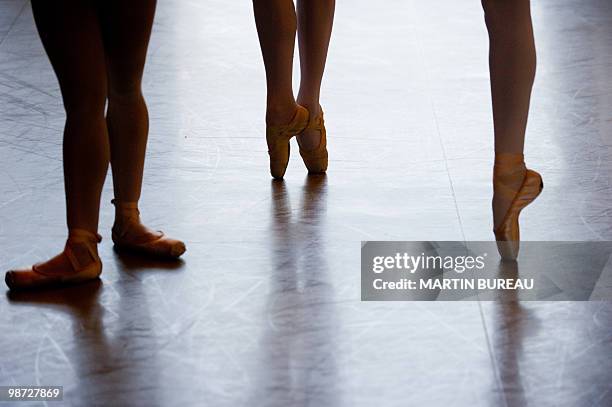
{"x": 507, "y": 161}
{"x": 507, "y": 169}
{"x": 82, "y": 235}
{"x": 301, "y": 115}
{"x": 87, "y": 239}
{"x": 125, "y": 205}
{"x": 128, "y": 210}
{"x": 315, "y": 122}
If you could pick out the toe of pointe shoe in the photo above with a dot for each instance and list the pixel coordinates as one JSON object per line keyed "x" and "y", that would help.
{"x": 9, "y": 279}
{"x": 279, "y": 160}
{"x": 168, "y": 248}
{"x": 315, "y": 161}
{"x": 278, "y": 171}
{"x": 28, "y": 279}
{"x": 177, "y": 249}
{"x": 22, "y": 279}
{"x": 162, "y": 248}
{"x": 316, "y": 166}
{"x": 25, "y": 279}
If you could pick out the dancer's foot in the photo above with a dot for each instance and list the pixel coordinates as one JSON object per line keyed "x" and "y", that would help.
{"x": 79, "y": 262}
{"x": 130, "y": 234}
{"x": 278, "y": 137}
{"x": 514, "y": 187}
{"x": 313, "y": 142}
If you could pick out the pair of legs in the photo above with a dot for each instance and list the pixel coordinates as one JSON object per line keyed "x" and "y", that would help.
{"x": 277, "y": 22}
{"x": 512, "y": 64}
{"x": 97, "y": 49}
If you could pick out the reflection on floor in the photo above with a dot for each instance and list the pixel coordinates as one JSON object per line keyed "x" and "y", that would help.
{"x": 265, "y": 308}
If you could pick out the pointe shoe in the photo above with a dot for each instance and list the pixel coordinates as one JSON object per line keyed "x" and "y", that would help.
{"x": 79, "y": 262}
{"x": 131, "y": 236}
{"x": 278, "y": 138}
{"x": 507, "y": 234}
{"x": 316, "y": 159}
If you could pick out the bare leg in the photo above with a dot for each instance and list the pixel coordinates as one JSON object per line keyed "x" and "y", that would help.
{"x": 70, "y": 33}
{"x": 512, "y": 62}
{"x": 276, "y": 27}
{"x": 126, "y": 28}
{"x": 315, "y": 20}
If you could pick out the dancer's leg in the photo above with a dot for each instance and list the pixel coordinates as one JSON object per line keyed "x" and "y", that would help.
{"x": 126, "y": 29}
{"x": 512, "y": 62}
{"x": 70, "y": 33}
{"x": 276, "y": 27}
{"x": 315, "y": 20}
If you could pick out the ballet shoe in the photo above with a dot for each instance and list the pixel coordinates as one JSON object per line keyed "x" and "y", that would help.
{"x": 316, "y": 159}
{"x": 507, "y": 234}
{"x": 278, "y": 138}
{"x": 130, "y": 235}
{"x": 79, "y": 262}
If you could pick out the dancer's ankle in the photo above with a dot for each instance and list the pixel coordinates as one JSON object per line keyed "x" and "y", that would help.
{"x": 125, "y": 213}
{"x": 83, "y": 245}
{"x": 311, "y": 104}
{"x": 509, "y": 169}
{"x": 279, "y": 114}
{"x": 505, "y": 159}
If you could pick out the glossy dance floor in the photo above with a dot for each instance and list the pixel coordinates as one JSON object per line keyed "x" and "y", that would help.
{"x": 265, "y": 308}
